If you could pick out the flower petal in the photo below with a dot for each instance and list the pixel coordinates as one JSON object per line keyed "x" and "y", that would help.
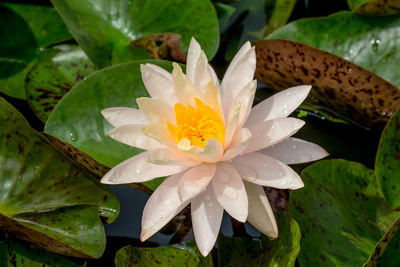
{"x": 232, "y": 124}
{"x": 195, "y": 180}
{"x": 192, "y": 59}
{"x": 184, "y": 89}
{"x": 132, "y": 135}
{"x": 162, "y": 206}
{"x": 238, "y": 145}
{"x": 120, "y": 116}
{"x": 260, "y": 215}
{"x": 214, "y": 76}
{"x": 206, "y": 220}
{"x": 212, "y": 98}
{"x": 246, "y": 97}
{"x": 295, "y": 151}
{"x": 210, "y": 153}
{"x": 239, "y": 73}
{"x": 264, "y": 170}
{"x": 268, "y": 133}
{"x": 157, "y": 111}
{"x": 166, "y": 156}
{"x": 158, "y": 83}
{"x": 156, "y": 131}
{"x": 137, "y": 169}
{"x": 230, "y": 192}
{"x": 279, "y": 105}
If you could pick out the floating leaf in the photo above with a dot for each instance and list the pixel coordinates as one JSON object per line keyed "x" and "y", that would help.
{"x": 21, "y": 37}
{"x": 347, "y": 88}
{"x": 340, "y": 214}
{"x": 224, "y": 12}
{"x": 53, "y": 75}
{"x": 375, "y": 7}
{"x": 13, "y": 253}
{"x": 283, "y": 251}
{"x": 387, "y": 164}
{"x": 183, "y": 254}
{"x": 369, "y": 42}
{"x": 105, "y": 29}
{"x": 44, "y": 198}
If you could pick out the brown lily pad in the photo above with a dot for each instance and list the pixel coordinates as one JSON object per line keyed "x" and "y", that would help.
{"x": 339, "y": 84}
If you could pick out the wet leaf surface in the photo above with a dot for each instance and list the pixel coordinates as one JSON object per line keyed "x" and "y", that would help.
{"x": 183, "y": 254}
{"x": 375, "y": 7}
{"x": 341, "y": 85}
{"x": 283, "y": 251}
{"x": 105, "y": 29}
{"x": 44, "y": 198}
{"x": 340, "y": 214}
{"x": 387, "y": 164}
{"x": 23, "y": 30}
{"x": 369, "y": 42}
{"x": 15, "y": 253}
{"x": 56, "y": 71}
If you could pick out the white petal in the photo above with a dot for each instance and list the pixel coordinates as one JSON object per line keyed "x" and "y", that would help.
{"x": 264, "y": 170}
{"x": 132, "y": 135}
{"x": 206, "y": 220}
{"x": 239, "y": 73}
{"x": 160, "y": 133}
{"x": 212, "y": 98}
{"x": 279, "y": 105}
{"x": 166, "y": 156}
{"x": 260, "y": 215}
{"x": 137, "y": 169}
{"x": 211, "y": 153}
{"x": 195, "y": 180}
{"x": 192, "y": 58}
{"x": 238, "y": 145}
{"x": 184, "y": 89}
{"x": 202, "y": 75}
{"x": 121, "y": 116}
{"x": 157, "y": 111}
{"x": 230, "y": 192}
{"x": 232, "y": 124}
{"x": 214, "y": 76}
{"x": 162, "y": 206}
{"x": 158, "y": 83}
{"x": 268, "y": 133}
{"x": 295, "y": 151}
{"x": 246, "y": 97}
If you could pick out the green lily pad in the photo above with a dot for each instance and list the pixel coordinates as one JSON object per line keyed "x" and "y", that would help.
{"x": 23, "y": 32}
{"x": 283, "y": 251}
{"x": 57, "y": 70}
{"x": 349, "y": 89}
{"x": 255, "y": 20}
{"x": 340, "y": 213}
{"x": 14, "y": 253}
{"x": 105, "y": 29}
{"x": 44, "y": 198}
{"x": 183, "y": 254}
{"x": 375, "y": 7}
{"x": 224, "y": 12}
{"x": 387, "y": 164}
{"x": 369, "y": 42}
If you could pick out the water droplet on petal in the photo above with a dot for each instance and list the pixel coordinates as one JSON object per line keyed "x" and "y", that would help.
{"x": 167, "y": 202}
{"x": 287, "y": 93}
{"x": 284, "y": 183}
{"x": 294, "y": 146}
{"x": 138, "y": 171}
{"x": 230, "y": 193}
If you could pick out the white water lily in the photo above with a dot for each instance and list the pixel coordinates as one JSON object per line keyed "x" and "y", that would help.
{"x": 217, "y": 151}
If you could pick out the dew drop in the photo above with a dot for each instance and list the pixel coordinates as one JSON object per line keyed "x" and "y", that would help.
{"x": 167, "y": 202}
{"x": 287, "y": 93}
{"x": 230, "y": 193}
{"x": 284, "y": 183}
{"x": 138, "y": 171}
{"x": 291, "y": 184}
{"x": 349, "y": 69}
{"x": 375, "y": 43}
{"x": 73, "y": 136}
{"x": 294, "y": 146}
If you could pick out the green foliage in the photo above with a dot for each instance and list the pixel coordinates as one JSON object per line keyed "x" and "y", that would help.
{"x": 183, "y": 254}
{"x": 387, "y": 165}
{"x": 375, "y": 7}
{"x": 105, "y": 29}
{"x": 283, "y": 251}
{"x": 44, "y": 197}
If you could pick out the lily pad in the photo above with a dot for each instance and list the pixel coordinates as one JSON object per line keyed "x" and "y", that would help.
{"x": 183, "y": 254}
{"x": 375, "y": 7}
{"x": 340, "y": 214}
{"x": 14, "y": 253}
{"x": 369, "y": 42}
{"x": 387, "y": 164}
{"x": 105, "y": 29}
{"x": 45, "y": 198}
{"x": 283, "y": 251}
{"x": 348, "y": 89}
{"x": 23, "y": 32}
{"x": 57, "y": 70}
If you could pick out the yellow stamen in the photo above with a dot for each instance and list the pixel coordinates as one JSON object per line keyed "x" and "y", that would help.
{"x": 197, "y": 124}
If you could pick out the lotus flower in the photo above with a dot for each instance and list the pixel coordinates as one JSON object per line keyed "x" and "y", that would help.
{"x": 215, "y": 149}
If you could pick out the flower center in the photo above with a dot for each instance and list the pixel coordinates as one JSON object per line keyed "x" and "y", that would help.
{"x": 197, "y": 124}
